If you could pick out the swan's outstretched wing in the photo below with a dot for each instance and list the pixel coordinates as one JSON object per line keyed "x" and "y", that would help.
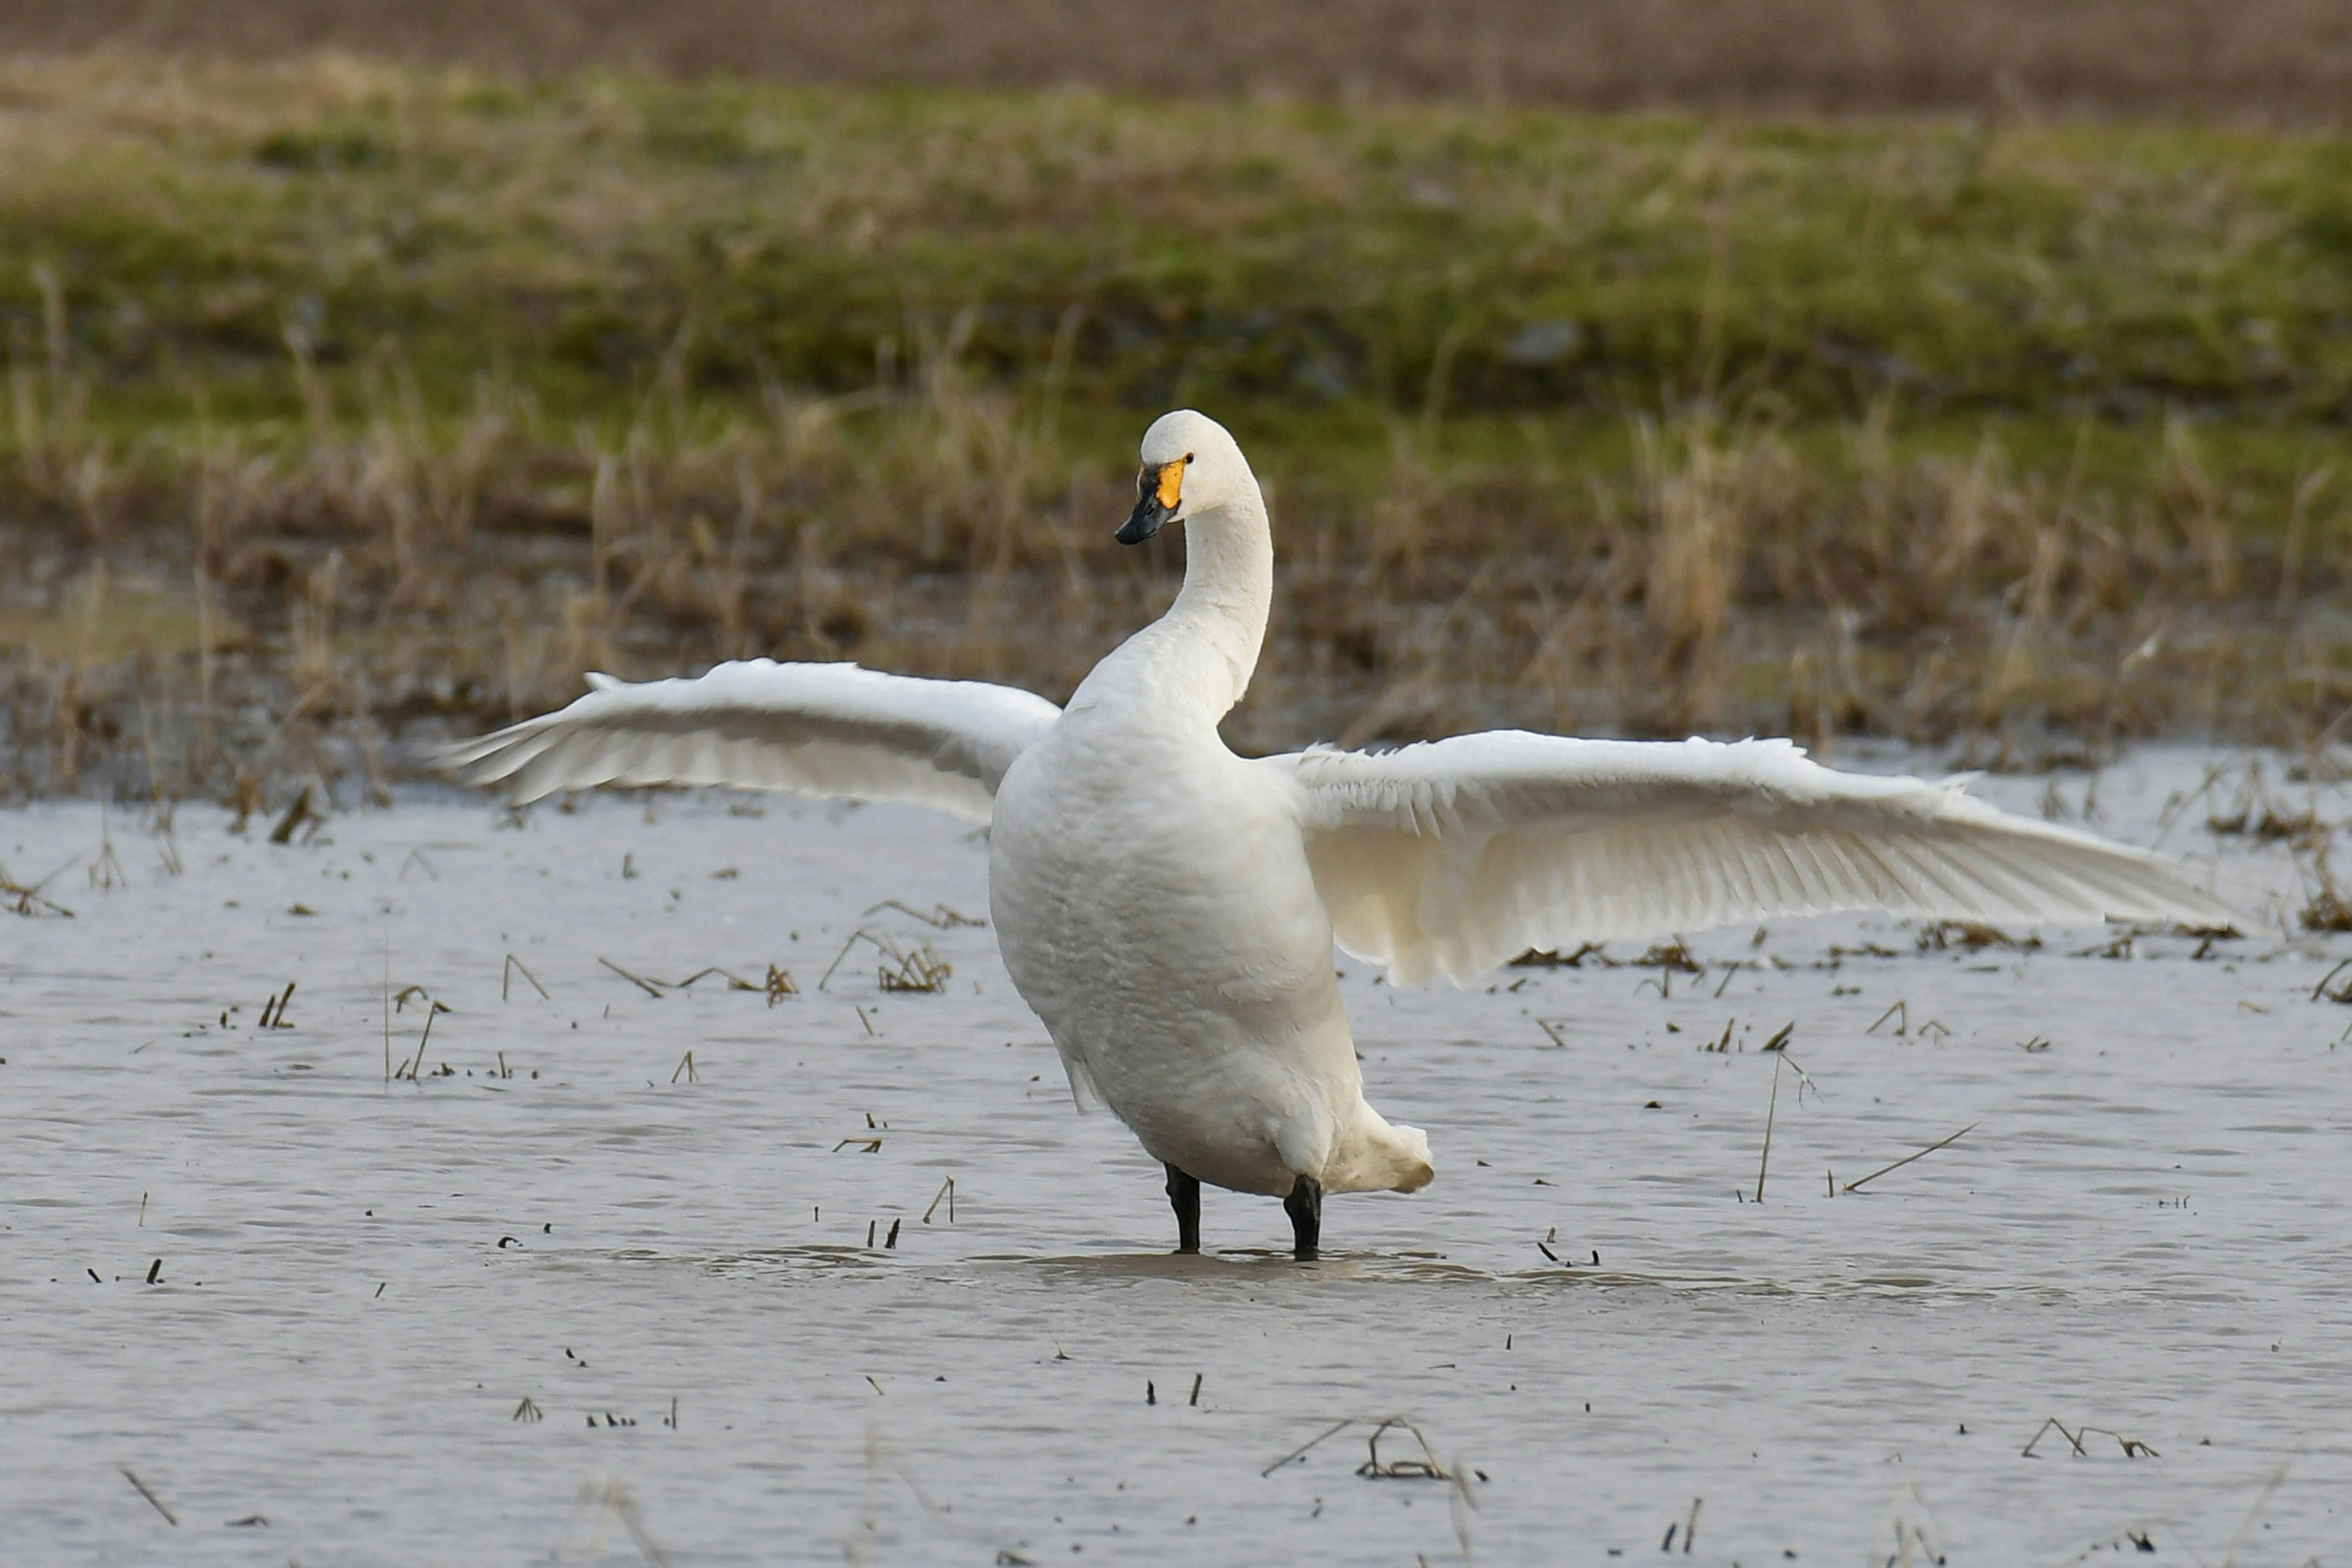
{"x": 812, "y": 728}
{"x": 1450, "y": 857}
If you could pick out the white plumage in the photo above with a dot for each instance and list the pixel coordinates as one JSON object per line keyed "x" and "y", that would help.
{"x": 1449, "y": 858}
{"x": 1169, "y": 909}
{"x": 815, "y": 729}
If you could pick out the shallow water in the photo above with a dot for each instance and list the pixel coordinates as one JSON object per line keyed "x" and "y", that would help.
{"x": 360, "y": 1282}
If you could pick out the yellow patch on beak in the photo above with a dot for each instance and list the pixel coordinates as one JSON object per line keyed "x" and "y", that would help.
{"x": 1171, "y": 484}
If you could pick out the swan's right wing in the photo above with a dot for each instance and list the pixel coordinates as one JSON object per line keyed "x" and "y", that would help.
{"x": 811, "y": 729}
{"x": 1451, "y": 857}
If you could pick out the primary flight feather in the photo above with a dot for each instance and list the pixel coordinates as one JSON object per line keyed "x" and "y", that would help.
{"x": 1169, "y": 908}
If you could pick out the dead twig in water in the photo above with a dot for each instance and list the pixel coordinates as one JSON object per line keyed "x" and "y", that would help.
{"x": 2133, "y": 1448}
{"x": 2119, "y": 946}
{"x": 1301, "y": 1451}
{"x": 1770, "y": 1110}
{"x": 919, "y": 970}
{"x": 169, "y": 1517}
{"x": 647, "y": 986}
{"x": 686, "y": 1066}
{"x": 106, "y": 872}
{"x": 1906, "y": 1159}
{"x": 1778, "y": 1046}
{"x": 941, "y": 918}
{"x": 1675, "y": 955}
{"x": 1690, "y": 1531}
{"x": 824, "y": 979}
{"x": 298, "y": 812}
{"x": 1667, "y": 959}
{"x": 506, "y": 974}
{"x": 167, "y": 843}
{"x": 1426, "y": 1467}
{"x": 433, "y": 1009}
{"x": 26, "y": 897}
{"x": 947, "y": 1191}
{"x": 734, "y": 982}
{"x": 1972, "y": 935}
{"x": 1548, "y": 959}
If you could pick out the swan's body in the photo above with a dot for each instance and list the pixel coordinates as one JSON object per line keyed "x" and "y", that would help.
{"x": 1155, "y": 905}
{"x": 1169, "y": 908}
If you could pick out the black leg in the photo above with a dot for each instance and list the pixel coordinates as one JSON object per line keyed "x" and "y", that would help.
{"x": 1305, "y": 1207}
{"x": 1184, "y": 1196}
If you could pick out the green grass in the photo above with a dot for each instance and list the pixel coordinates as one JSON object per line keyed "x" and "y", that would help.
{"x": 1306, "y": 272}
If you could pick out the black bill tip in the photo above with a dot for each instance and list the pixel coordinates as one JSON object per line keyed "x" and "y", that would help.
{"x": 1148, "y": 518}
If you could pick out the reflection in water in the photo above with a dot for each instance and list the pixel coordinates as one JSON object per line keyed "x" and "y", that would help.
{"x": 1248, "y": 1265}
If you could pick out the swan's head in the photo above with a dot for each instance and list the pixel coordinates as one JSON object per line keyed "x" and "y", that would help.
{"x": 1191, "y": 465}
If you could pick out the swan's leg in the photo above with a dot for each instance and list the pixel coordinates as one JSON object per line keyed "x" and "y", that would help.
{"x": 1305, "y": 1207}
{"x": 1184, "y": 1195}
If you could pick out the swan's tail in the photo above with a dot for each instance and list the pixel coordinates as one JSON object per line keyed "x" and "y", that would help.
{"x": 1372, "y": 1156}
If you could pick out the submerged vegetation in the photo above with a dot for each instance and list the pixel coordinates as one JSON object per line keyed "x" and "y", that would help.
{"x": 343, "y": 398}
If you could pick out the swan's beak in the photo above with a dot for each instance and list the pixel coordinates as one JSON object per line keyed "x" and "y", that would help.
{"x": 1159, "y": 494}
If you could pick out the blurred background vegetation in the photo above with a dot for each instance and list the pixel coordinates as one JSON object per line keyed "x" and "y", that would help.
{"x": 360, "y": 396}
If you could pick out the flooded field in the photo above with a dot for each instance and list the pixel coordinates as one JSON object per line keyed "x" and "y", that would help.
{"x": 608, "y": 1274}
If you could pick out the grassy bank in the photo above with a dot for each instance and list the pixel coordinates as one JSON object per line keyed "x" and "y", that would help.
{"x": 362, "y": 394}
{"x": 579, "y": 237}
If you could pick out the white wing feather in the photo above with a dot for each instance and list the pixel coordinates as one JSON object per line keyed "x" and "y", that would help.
{"x": 1451, "y": 856}
{"x": 812, "y": 729}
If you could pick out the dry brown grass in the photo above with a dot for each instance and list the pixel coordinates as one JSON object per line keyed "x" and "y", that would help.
{"x": 2260, "y": 60}
{"x": 333, "y": 610}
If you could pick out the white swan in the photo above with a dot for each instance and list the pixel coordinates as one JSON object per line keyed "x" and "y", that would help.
{"x": 1169, "y": 909}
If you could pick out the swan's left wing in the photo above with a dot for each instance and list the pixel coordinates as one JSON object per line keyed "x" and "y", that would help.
{"x": 1451, "y": 857}
{"x": 812, "y": 728}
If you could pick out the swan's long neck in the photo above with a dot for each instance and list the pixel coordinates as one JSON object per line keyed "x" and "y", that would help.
{"x": 1217, "y": 625}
